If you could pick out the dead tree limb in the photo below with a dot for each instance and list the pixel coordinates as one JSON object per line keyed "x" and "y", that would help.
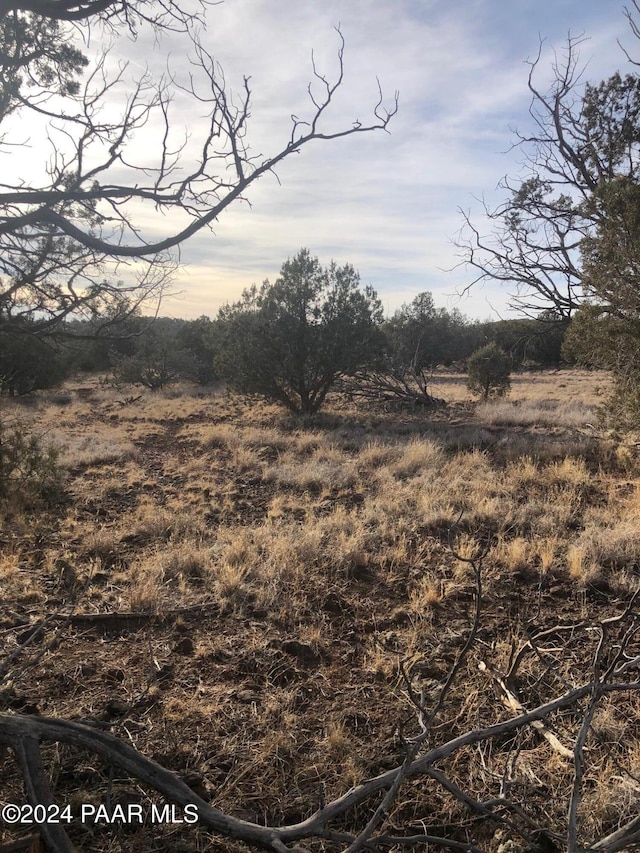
{"x": 394, "y": 386}
{"x": 615, "y": 657}
{"x": 16, "y": 728}
{"x": 38, "y": 790}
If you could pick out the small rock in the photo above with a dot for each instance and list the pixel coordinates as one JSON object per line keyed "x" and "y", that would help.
{"x": 302, "y": 651}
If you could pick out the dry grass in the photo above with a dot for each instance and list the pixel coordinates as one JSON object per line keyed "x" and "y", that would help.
{"x": 88, "y": 450}
{"x": 537, "y": 413}
{"x": 567, "y": 386}
{"x": 323, "y": 549}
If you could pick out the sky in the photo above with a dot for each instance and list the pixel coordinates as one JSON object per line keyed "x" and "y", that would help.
{"x": 387, "y": 203}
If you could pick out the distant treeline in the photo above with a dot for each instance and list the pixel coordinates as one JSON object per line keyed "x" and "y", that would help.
{"x": 156, "y": 351}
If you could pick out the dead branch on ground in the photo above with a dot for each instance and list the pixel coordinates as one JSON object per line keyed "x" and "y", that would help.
{"x": 429, "y": 754}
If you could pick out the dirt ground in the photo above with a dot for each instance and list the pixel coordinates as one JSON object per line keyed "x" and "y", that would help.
{"x": 237, "y": 592}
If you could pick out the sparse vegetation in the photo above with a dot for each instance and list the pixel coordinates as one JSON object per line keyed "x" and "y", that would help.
{"x": 392, "y": 625}
{"x": 269, "y": 574}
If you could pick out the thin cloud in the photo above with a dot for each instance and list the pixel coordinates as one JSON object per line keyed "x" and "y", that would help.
{"x": 386, "y": 203}
{"x": 389, "y": 204}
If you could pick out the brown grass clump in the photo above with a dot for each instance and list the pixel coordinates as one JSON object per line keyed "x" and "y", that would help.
{"x": 417, "y": 456}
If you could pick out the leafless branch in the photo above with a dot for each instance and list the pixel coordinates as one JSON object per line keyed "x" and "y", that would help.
{"x": 65, "y": 236}
{"x": 577, "y": 142}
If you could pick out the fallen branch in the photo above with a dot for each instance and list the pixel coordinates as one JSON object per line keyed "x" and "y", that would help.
{"x": 15, "y": 729}
{"x": 621, "y": 838}
{"x": 130, "y": 618}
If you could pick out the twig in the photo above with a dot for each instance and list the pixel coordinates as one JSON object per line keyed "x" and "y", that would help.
{"x": 512, "y": 702}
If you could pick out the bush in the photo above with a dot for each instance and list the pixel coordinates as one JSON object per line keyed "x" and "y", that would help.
{"x": 27, "y": 363}
{"x": 29, "y": 469}
{"x": 197, "y": 339}
{"x": 156, "y": 363}
{"x": 165, "y": 351}
{"x": 489, "y": 371}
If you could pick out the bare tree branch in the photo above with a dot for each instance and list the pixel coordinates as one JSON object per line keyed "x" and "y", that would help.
{"x": 582, "y": 136}
{"x": 66, "y": 235}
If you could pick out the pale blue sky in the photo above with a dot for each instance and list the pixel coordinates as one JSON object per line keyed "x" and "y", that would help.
{"x": 387, "y": 203}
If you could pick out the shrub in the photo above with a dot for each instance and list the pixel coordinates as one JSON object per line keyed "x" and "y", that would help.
{"x": 489, "y": 372}
{"x": 29, "y": 468}
{"x": 27, "y": 363}
{"x": 156, "y": 364}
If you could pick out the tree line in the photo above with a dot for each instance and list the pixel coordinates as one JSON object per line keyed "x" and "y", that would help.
{"x": 291, "y": 340}
{"x": 564, "y": 241}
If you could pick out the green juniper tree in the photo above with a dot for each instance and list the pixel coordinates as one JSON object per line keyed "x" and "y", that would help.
{"x": 291, "y": 341}
{"x": 565, "y": 239}
{"x": 489, "y": 372}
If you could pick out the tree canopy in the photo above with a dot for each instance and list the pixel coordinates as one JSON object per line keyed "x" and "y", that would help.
{"x": 292, "y": 340}
{"x": 582, "y": 137}
{"x": 423, "y": 336}
{"x": 566, "y": 239}
{"x": 605, "y": 332}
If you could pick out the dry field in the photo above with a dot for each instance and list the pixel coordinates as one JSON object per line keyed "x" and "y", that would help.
{"x": 272, "y": 574}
